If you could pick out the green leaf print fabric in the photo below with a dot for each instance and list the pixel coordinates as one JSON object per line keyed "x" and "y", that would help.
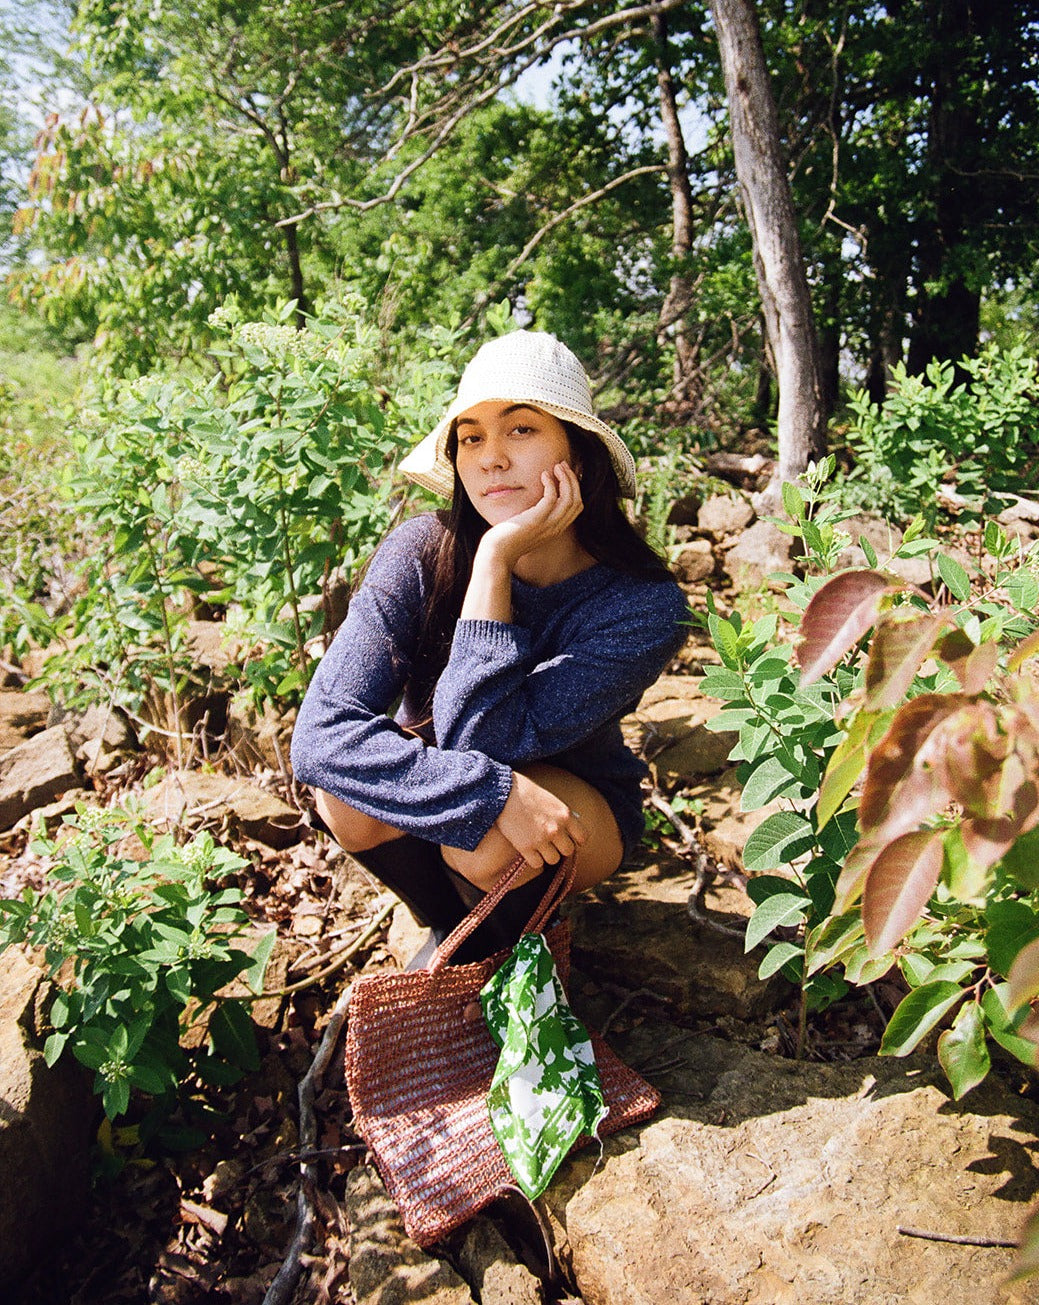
{"x": 546, "y": 1089}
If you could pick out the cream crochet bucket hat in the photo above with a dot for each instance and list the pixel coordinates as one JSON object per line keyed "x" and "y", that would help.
{"x": 529, "y": 367}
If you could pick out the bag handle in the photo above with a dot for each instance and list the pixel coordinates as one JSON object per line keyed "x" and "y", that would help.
{"x": 562, "y": 882}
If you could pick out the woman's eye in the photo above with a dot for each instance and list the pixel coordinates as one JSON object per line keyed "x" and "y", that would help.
{"x": 523, "y": 430}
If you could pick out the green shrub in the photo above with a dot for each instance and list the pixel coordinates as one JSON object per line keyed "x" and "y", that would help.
{"x": 139, "y": 951}
{"x": 248, "y": 489}
{"x": 978, "y": 438}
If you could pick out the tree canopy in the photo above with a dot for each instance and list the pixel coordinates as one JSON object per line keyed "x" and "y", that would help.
{"x": 216, "y": 151}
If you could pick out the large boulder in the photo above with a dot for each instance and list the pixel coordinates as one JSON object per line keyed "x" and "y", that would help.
{"x": 760, "y": 550}
{"x": 386, "y": 1267}
{"x": 770, "y": 1182}
{"x": 46, "y": 1117}
{"x": 22, "y": 715}
{"x": 256, "y": 813}
{"x": 36, "y": 773}
{"x": 636, "y": 929}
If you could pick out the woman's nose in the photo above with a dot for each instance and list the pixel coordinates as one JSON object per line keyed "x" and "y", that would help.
{"x": 495, "y": 454}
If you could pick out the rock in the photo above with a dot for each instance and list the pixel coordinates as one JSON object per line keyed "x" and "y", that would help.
{"x": 759, "y": 551}
{"x": 45, "y": 1126}
{"x": 725, "y": 514}
{"x": 21, "y": 716}
{"x": 386, "y": 1267}
{"x": 259, "y": 739}
{"x": 1021, "y": 519}
{"x": 211, "y": 646}
{"x": 747, "y": 471}
{"x": 635, "y": 928}
{"x": 492, "y": 1270}
{"x": 771, "y": 1182}
{"x": 100, "y": 736}
{"x": 260, "y": 815}
{"x": 670, "y": 724}
{"x": 405, "y": 936}
{"x": 693, "y": 562}
{"x": 672, "y": 728}
{"x": 884, "y": 539}
{"x": 35, "y": 773}
{"x": 683, "y": 510}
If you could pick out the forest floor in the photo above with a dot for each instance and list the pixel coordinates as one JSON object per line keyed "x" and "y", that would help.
{"x": 212, "y": 1224}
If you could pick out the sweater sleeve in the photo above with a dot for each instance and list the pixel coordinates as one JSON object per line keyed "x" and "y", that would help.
{"x": 492, "y": 698}
{"x": 345, "y": 743}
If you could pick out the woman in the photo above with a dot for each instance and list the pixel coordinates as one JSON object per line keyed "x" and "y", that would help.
{"x": 515, "y": 630}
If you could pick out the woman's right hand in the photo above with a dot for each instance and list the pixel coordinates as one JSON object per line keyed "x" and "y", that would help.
{"x": 540, "y": 826}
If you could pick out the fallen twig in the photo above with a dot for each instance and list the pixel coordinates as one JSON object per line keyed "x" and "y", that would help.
{"x": 956, "y": 1240}
{"x": 281, "y": 1290}
{"x": 341, "y": 959}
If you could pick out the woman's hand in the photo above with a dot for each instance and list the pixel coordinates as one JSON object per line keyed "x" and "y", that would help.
{"x": 489, "y": 593}
{"x": 558, "y": 508}
{"x": 540, "y": 826}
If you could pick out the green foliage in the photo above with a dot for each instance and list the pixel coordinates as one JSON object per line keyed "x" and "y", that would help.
{"x": 902, "y": 739}
{"x": 978, "y": 438}
{"x": 252, "y": 490}
{"x": 139, "y": 951}
{"x": 38, "y": 529}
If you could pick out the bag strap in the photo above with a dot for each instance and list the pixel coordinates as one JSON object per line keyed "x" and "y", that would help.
{"x": 562, "y": 882}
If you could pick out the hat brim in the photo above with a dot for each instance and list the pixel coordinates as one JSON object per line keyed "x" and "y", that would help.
{"x": 429, "y": 466}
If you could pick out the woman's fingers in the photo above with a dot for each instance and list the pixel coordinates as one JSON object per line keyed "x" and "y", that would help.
{"x": 539, "y": 825}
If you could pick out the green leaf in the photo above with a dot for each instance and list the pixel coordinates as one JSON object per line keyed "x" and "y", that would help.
{"x": 53, "y": 1048}
{"x": 954, "y": 577}
{"x": 829, "y": 941}
{"x": 726, "y": 640}
{"x": 777, "y": 956}
{"x": 768, "y": 779}
{"x": 793, "y": 501}
{"x": 253, "y": 976}
{"x": 1011, "y": 924}
{"x": 778, "y": 840}
{"x": 1003, "y": 1027}
{"x": 1021, "y": 860}
{"x": 916, "y": 1015}
{"x": 233, "y": 1034}
{"x": 774, "y": 912}
{"x": 963, "y": 1051}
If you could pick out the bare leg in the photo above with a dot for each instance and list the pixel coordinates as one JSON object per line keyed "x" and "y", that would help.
{"x": 352, "y": 829}
{"x": 596, "y": 860}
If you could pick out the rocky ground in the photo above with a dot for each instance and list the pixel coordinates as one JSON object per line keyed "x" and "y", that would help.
{"x": 779, "y": 1169}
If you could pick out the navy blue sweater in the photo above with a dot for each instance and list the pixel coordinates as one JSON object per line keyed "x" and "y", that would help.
{"x": 551, "y": 686}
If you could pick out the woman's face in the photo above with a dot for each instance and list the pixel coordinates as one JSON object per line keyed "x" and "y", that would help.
{"x": 502, "y": 450}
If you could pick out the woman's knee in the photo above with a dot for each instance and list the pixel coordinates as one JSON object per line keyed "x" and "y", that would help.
{"x": 352, "y": 829}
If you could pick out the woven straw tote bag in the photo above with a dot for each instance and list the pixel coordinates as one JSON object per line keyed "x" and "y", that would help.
{"x": 419, "y": 1063}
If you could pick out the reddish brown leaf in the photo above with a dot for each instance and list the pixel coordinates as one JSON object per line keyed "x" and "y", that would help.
{"x": 898, "y": 887}
{"x": 971, "y": 663}
{"x": 1023, "y": 979}
{"x": 853, "y": 874}
{"x": 838, "y": 616}
{"x": 899, "y": 648}
{"x": 897, "y": 792}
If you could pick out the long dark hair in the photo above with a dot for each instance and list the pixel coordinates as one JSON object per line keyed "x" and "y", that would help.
{"x": 603, "y": 530}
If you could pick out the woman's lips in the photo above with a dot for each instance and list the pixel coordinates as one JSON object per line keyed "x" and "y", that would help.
{"x": 499, "y": 491}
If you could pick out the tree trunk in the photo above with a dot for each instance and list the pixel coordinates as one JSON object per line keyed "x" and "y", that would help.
{"x": 679, "y": 297}
{"x": 778, "y": 261}
{"x": 946, "y": 317}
